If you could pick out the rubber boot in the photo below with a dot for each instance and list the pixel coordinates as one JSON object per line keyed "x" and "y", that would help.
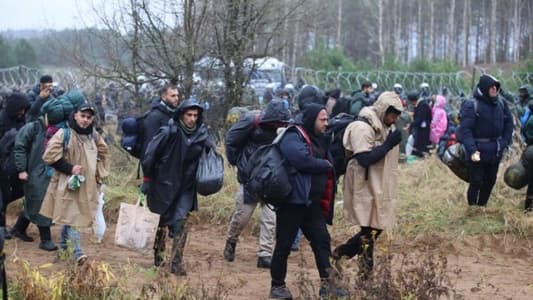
{"x": 229, "y": 251}
{"x": 46, "y": 239}
{"x": 19, "y": 230}
{"x": 159, "y": 246}
{"x": 178, "y": 245}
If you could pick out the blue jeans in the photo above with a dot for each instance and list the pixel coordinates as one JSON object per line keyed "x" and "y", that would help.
{"x": 69, "y": 233}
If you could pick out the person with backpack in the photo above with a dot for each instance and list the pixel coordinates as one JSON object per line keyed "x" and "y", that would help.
{"x": 309, "y": 206}
{"x": 371, "y": 179}
{"x": 12, "y": 118}
{"x": 485, "y": 130}
{"x": 242, "y": 139}
{"x": 170, "y": 164}
{"x": 38, "y": 95}
{"x": 28, "y": 151}
{"x": 79, "y": 156}
{"x": 528, "y": 134}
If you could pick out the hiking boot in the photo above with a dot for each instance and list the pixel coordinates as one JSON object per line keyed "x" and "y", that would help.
{"x": 159, "y": 259}
{"x": 331, "y": 291}
{"x": 21, "y": 235}
{"x": 81, "y": 260}
{"x": 229, "y": 251}
{"x": 280, "y": 292}
{"x": 178, "y": 269}
{"x": 263, "y": 262}
{"x": 47, "y": 246}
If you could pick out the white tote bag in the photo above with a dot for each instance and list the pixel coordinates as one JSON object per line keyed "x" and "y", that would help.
{"x": 136, "y": 226}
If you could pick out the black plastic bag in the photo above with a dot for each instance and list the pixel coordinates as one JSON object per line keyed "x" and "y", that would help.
{"x": 454, "y": 158}
{"x": 210, "y": 173}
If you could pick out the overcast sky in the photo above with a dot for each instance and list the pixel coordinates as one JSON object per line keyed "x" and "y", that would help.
{"x": 46, "y": 14}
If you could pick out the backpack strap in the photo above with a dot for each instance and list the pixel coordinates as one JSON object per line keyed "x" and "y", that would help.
{"x": 66, "y": 138}
{"x": 305, "y": 136}
{"x": 257, "y": 119}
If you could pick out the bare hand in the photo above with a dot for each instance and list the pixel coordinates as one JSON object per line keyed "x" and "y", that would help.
{"x": 23, "y": 176}
{"x": 45, "y": 93}
{"x": 76, "y": 170}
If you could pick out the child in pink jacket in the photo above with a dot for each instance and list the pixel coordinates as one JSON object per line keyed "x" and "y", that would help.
{"x": 439, "y": 123}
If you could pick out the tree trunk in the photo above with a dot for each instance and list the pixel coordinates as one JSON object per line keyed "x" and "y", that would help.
{"x": 339, "y": 24}
{"x": 380, "y": 32}
{"x": 420, "y": 35}
{"x": 431, "y": 42}
{"x": 466, "y": 31}
{"x": 493, "y": 34}
{"x": 451, "y": 32}
{"x": 516, "y": 31}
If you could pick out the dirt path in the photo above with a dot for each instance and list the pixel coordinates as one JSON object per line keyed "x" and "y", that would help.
{"x": 491, "y": 267}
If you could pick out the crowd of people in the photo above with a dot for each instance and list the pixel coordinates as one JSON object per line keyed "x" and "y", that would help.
{"x": 53, "y": 156}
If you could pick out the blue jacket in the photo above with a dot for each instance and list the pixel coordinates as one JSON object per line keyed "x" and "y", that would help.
{"x": 294, "y": 148}
{"x": 487, "y": 128}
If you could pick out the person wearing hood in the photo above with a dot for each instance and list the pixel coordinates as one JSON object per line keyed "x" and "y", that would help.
{"x": 439, "y": 120}
{"x": 421, "y": 125}
{"x": 249, "y": 133}
{"x": 485, "y": 131}
{"x": 522, "y": 110}
{"x": 371, "y": 179}
{"x": 79, "y": 156}
{"x": 309, "y": 206}
{"x": 39, "y": 94}
{"x": 12, "y": 118}
{"x": 171, "y": 192}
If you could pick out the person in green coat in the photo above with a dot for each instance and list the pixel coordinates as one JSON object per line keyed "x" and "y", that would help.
{"x": 28, "y": 151}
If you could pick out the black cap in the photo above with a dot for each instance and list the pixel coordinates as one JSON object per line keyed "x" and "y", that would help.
{"x": 87, "y": 107}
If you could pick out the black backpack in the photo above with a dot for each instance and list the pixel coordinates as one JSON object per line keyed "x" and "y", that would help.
{"x": 268, "y": 172}
{"x": 7, "y": 157}
{"x": 133, "y": 135}
{"x": 336, "y": 128}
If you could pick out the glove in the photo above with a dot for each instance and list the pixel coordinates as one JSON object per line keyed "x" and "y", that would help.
{"x": 393, "y": 139}
{"x": 145, "y": 187}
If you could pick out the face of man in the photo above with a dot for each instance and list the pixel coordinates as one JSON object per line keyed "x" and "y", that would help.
{"x": 190, "y": 117}
{"x": 321, "y": 122}
{"x": 84, "y": 119}
{"x": 390, "y": 118}
{"x": 493, "y": 91}
{"x": 369, "y": 90}
{"x": 171, "y": 97}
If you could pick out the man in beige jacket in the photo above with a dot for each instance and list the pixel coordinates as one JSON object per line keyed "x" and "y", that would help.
{"x": 75, "y": 150}
{"x": 370, "y": 182}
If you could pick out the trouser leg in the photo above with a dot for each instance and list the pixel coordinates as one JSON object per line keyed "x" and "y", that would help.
{"x": 178, "y": 232}
{"x": 240, "y": 218}
{"x": 267, "y": 231}
{"x": 475, "y": 173}
{"x": 490, "y": 172}
{"x": 288, "y": 219}
{"x": 315, "y": 230}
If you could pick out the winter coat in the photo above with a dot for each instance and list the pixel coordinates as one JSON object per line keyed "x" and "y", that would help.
{"x": 370, "y": 195}
{"x": 487, "y": 129}
{"x": 249, "y": 133}
{"x": 421, "y": 125}
{"x": 439, "y": 120}
{"x": 28, "y": 150}
{"x": 311, "y": 175}
{"x": 172, "y": 192}
{"x": 76, "y": 208}
{"x": 157, "y": 117}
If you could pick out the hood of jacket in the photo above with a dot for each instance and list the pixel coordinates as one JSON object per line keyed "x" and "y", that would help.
{"x": 440, "y": 102}
{"x": 275, "y": 112}
{"x": 375, "y": 114}
{"x": 191, "y": 104}
{"x": 15, "y": 103}
{"x": 482, "y": 89}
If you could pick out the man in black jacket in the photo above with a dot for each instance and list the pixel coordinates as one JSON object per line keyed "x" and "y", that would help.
{"x": 39, "y": 95}
{"x": 157, "y": 117}
{"x": 243, "y": 138}
{"x": 172, "y": 190}
{"x": 12, "y": 117}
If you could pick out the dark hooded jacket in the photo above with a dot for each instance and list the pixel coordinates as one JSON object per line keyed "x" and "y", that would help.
{"x": 8, "y": 116}
{"x": 251, "y": 131}
{"x": 313, "y": 178}
{"x": 421, "y": 125}
{"x": 158, "y": 116}
{"x": 487, "y": 128}
{"x": 172, "y": 192}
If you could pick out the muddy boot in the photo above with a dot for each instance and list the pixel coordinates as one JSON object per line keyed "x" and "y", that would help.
{"x": 159, "y": 246}
{"x": 351, "y": 248}
{"x": 178, "y": 245}
{"x": 46, "y": 239}
{"x": 229, "y": 251}
{"x": 19, "y": 230}
{"x": 529, "y": 204}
